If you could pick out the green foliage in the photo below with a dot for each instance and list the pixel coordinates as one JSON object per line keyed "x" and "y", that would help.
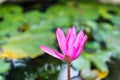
{"x": 84, "y": 9}
{"x": 93, "y": 45}
{"x": 5, "y": 66}
{"x": 61, "y": 15}
{"x": 98, "y": 59}
{"x": 113, "y": 43}
{"x": 82, "y": 62}
{"x": 1, "y": 78}
{"x": 33, "y": 17}
{"x": 27, "y": 44}
{"x": 21, "y": 33}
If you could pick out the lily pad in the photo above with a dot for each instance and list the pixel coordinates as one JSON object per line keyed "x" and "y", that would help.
{"x": 93, "y": 45}
{"x": 27, "y": 45}
{"x": 88, "y": 11}
{"x": 33, "y": 17}
{"x": 1, "y": 78}
{"x": 5, "y": 66}
{"x": 113, "y": 43}
{"x": 102, "y": 32}
{"x": 98, "y": 59}
{"x": 81, "y": 63}
{"x": 100, "y": 64}
{"x": 61, "y": 15}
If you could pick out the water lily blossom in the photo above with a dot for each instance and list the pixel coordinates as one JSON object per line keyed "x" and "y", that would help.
{"x": 71, "y": 45}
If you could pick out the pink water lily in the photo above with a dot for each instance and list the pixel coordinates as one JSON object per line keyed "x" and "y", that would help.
{"x": 71, "y": 45}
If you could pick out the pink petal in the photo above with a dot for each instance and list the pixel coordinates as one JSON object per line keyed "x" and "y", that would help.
{"x": 68, "y": 34}
{"x": 81, "y": 47}
{"x": 50, "y": 51}
{"x": 72, "y": 37}
{"x": 78, "y": 39}
{"x": 79, "y": 51}
{"x": 70, "y": 42}
{"x": 74, "y": 30}
{"x": 59, "y": 54}
{"x": 61, "y": 40}
{"x": 71, "y": 51}
{"x": 83, "y": 41}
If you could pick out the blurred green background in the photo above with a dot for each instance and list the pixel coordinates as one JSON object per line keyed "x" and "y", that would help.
{"x": 27, "y": 24}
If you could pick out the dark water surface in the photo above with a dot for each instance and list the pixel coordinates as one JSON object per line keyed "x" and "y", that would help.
{"x": 46, "y": 67}
{"x": 114, "y": 67}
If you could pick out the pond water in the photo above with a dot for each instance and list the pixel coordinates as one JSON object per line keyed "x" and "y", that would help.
{"x": 114, "y": 67}
{"x": 46, "y": 67}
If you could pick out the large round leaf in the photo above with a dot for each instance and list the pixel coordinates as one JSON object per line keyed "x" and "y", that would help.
{"x": 27, "y": 45}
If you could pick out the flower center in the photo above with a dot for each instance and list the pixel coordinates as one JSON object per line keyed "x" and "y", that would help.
{"x": 67, "y": 58}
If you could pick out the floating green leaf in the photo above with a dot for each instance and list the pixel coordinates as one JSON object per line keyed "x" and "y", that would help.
{"x": 88, "y": 12}
{"x": 82, "y": 63}
{"x": 1, "y": 78}
{"x": 113, "y": 43}
{"x": 100, "y": 64}
{"x": 33, "y": 17}
{"x": 116, "y": 20}
{"x": 61, "y": 15}
{"x": 5, "y": 66}
{"x": 102, "y": 31}
{"x": 93, "y": 45}
{"x": 98, "y": 59}
{"x": 27, "y": 45}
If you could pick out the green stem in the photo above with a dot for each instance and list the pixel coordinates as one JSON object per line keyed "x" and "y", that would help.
{"x": 69, "y": 70}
